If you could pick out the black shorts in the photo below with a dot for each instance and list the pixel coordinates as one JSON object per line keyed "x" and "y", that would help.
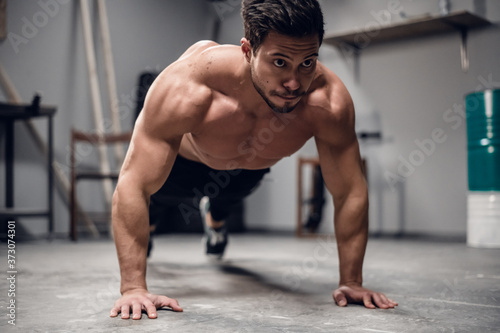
{"x": 189, "y": 181}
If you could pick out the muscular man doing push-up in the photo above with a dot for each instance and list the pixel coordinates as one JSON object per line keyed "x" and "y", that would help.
{"x": 199, "y": 118}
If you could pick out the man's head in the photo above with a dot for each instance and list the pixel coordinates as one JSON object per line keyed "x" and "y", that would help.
{"x": 293, "y": 18}
{"x": 282, "y": 39}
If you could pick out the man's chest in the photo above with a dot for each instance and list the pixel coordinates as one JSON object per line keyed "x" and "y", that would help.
{"x": 229, "y": 132}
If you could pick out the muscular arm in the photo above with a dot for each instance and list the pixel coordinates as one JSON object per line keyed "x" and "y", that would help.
{"x": 174, "y": 106}
{"x": 145, "y": 169}
{"x": 341, "y": 167}
{"x": 342, "y": 171}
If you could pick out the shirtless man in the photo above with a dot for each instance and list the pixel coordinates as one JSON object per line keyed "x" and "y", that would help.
{"x": 210, "y": 107}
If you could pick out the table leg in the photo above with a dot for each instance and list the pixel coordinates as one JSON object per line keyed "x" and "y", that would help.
{"x": 9, "y": 164}
{"x": 50, "y": 158}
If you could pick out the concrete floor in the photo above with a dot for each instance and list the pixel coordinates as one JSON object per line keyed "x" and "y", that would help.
{"x": 266, "y": 284}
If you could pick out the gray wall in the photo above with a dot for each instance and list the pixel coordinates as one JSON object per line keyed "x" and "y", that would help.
{"x": 145, "y": 35}
{"x": 406, "y": 89}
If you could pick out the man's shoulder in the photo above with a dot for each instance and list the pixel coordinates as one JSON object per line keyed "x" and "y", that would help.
{"x": 184, "y": 91}
{"x": 330, "y": 109}
{"x": 185, "y": 79}
{"x": 329, "y": 96}
{"x": 205, "y": 60}
{"x": 200, "y": 69}
{"x": 197, "y": 48}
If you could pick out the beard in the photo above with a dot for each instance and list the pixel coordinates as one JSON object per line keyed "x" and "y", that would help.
{"x": 287, "y": 108}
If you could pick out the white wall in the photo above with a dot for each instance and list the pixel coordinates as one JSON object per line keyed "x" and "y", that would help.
{"x": 145, "y": 35}
{"x": 405, "y": 89}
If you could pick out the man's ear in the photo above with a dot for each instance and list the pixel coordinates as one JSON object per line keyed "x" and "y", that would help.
{"x": 246, "y": 49}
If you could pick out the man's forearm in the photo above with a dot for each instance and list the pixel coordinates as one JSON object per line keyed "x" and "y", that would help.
{"x": 351, "y": 230}
{"x": 131, "y": 233}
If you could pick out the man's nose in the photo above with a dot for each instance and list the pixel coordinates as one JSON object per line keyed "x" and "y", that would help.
{"x": 292, "y": 83}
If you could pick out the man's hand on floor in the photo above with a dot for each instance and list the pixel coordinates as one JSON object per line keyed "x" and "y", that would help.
{"x": 141, "y": 299}
{"x": 356, "y": 294}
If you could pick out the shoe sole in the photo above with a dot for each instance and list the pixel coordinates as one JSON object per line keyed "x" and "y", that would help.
{"x": 210, "y": 256}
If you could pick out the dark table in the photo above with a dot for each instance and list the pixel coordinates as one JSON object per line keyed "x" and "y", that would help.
{"x": 9, "y": 113}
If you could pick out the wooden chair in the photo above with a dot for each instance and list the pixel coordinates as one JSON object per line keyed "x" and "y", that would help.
{"x": 78, "y": 173}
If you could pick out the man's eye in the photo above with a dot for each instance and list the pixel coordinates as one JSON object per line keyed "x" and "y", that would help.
{"x": 279, "y": 63}
{"x": 307, "y": 63}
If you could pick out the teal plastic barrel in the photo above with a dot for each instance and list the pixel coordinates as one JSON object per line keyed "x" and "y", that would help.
{"x": 483, "y": 140}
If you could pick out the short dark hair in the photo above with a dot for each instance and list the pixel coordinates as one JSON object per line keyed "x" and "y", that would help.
{"x": 294, "y": 18}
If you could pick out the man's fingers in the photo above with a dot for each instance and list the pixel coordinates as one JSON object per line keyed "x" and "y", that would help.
{"x": 389, "y": 303}
{"x": 136, "y": 311}
{"x": 114, "y": 312}
{"x": 394, "y": 303}
{"x": 150, "y": 309}
{"x": 360, "y": 295}
{"x": 136, "y": 304}
{"x": 339, "y": 298}
{"x": 170, "y": 302}
{"x": 175, "y": 305}
{"x": 367, "y": 301}
{"x": 125, "y": 310}
{"x": 381, "y": 301}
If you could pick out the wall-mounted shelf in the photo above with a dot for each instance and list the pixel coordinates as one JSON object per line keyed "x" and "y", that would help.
{"x": 461, "y": 21}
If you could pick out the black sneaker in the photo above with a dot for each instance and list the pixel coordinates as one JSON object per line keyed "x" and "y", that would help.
{"x": 214, "y": 240}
